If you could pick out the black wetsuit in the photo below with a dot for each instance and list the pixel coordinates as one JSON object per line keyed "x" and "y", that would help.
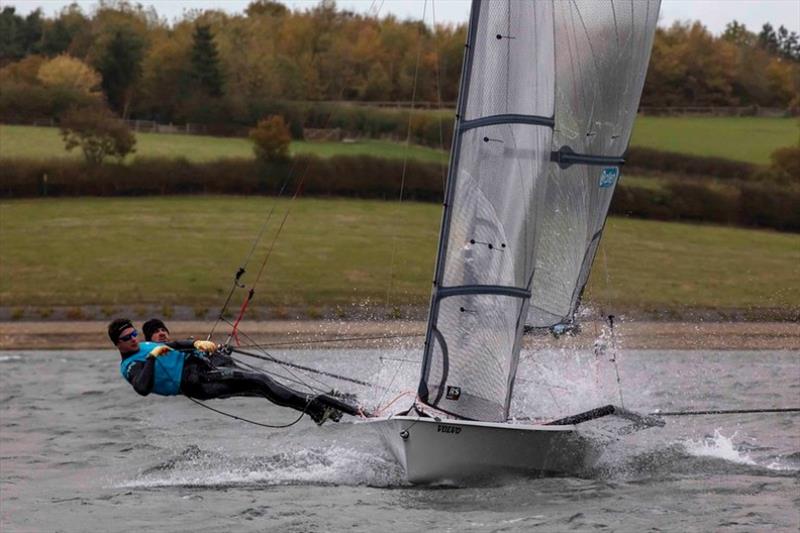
{"x": 218, "y": 376}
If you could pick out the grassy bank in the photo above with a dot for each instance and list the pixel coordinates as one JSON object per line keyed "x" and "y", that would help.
{"x": 184, "y": 251}
{"x": 749, "y": 139}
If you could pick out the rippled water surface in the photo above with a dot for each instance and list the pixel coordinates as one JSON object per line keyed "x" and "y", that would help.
{"x": 81, "y": 451}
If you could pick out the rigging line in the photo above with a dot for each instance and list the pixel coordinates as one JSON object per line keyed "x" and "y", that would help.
{"x": 403, "y": 176}
{"x": 249, "y": 297}
{"x": 288, "y": 379}
{"x": 726, "y": 411}
{"x": 285, "y": 183}
{"x": 247, "y": 420}
{"x": 303, "y": 367}
{"x": 242, "y": 268}
{"x": 405, "y": 153}
{"x": 270, "y": 357}
{"x": 337, "y": 339}
{"x": 294, "y": 375}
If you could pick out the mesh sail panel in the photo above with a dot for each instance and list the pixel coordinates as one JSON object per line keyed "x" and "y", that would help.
{"x": 602, "y": 52}
{"x": 476, "y": 337}
{"x": 472, "y": 356}
{"x": 522, "y": 224}
{"x": 512, "y": 73}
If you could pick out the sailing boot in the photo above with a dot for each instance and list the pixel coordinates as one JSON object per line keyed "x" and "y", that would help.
{"x": 320, "y": 412}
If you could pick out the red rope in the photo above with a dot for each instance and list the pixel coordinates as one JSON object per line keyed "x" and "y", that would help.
{"x": 235, "y": 332}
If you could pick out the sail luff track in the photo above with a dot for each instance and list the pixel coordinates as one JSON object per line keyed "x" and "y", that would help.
{"x": 450, "y": 187}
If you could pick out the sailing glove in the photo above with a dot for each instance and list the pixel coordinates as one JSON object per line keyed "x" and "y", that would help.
{"x": 158, "y": 351}
{"x": 205, "y": 346}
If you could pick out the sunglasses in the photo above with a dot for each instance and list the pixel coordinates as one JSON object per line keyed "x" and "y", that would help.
{"x": 132, "y": 335}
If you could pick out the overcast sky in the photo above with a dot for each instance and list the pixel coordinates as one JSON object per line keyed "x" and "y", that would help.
{"x": 713, "y": 13}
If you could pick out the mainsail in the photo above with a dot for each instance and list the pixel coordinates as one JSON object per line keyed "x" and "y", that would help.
{"x": 549, "y": 93}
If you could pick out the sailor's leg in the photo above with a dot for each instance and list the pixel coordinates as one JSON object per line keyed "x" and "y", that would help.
{"x": 221, "y": 359}
{"x": 225, "y": 382}
{"x": 282, "y": 395}
{"x": 275, "y": 392}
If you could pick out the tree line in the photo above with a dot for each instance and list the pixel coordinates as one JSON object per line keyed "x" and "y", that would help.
{"x": 214, "y": 67}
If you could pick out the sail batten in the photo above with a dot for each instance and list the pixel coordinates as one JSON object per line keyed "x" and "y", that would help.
{"x": 548, "y": 96}
{"x": 507, "y": 119}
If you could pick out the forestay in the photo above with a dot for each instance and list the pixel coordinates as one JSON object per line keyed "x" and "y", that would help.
{"x": 548, "y": 97}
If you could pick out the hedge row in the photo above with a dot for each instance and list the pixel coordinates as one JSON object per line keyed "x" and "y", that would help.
{"x": 353, "y": 176}
{"x": 743, "y": 204}
{"x": 749, "y": 205}
{"x": 648, "y": 160}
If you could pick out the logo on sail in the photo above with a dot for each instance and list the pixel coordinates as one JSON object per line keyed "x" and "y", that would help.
{"x": 608, "y": 176}
{"x": 453, "y": 393}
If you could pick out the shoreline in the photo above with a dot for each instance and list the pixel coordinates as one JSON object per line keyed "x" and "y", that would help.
{"x": 330, "y": 334}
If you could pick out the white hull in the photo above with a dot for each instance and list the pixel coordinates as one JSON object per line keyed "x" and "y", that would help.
{"x": 432, "y": 451}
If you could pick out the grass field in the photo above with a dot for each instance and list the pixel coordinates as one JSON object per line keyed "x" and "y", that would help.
{"x": 185, "y": 250}
{"x": 41, "y": 142}
{"x": 750, "y": 139}
{"x": 740, "y": 138}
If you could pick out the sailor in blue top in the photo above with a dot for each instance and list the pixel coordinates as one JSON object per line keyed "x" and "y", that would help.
{"x": 196, "y": 369}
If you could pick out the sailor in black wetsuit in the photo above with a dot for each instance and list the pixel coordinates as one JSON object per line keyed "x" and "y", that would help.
{"x": 155, "y": 331}
{"x": 197, "y": 370}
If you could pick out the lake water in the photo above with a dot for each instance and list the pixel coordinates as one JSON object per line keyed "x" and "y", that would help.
{"x": 80, "y": 451}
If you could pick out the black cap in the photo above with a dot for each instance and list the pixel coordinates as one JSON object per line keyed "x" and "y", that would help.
{"x": 151, "y": 326}
{"x": 116, "y": 327}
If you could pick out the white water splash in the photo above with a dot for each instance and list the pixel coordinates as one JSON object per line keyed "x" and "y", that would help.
{"x": 334, "y": 465}
{"x": 7, "y": 358}
{"x": 718, "y": 446}
{"x": 554, "y": 383}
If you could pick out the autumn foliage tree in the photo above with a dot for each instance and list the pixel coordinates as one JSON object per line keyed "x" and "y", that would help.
{"x": 71, "y": 73}
{"x": 221, "y": 68}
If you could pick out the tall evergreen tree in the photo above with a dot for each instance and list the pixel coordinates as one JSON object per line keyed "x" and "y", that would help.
{"x": 768, "y": 39}
{"x": 121, "y": 67}
{"x": 205, "y": 61}
{"x": 19, "y": 36}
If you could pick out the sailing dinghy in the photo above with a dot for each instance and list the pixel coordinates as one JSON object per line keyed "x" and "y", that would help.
{"x": 549, "y": 92}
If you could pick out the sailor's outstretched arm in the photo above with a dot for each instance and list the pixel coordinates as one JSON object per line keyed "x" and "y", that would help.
{"x": 141, "y": 376}
{"x": 182, "y": 345}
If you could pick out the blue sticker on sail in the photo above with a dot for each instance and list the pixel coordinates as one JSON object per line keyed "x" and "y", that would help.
{"x": 608, "y": 176}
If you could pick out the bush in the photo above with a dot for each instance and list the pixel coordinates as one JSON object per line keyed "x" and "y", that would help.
{"x": 271, "y": 139}
{"x": 98, "y": 133}
{"x": 786, "y": 163}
